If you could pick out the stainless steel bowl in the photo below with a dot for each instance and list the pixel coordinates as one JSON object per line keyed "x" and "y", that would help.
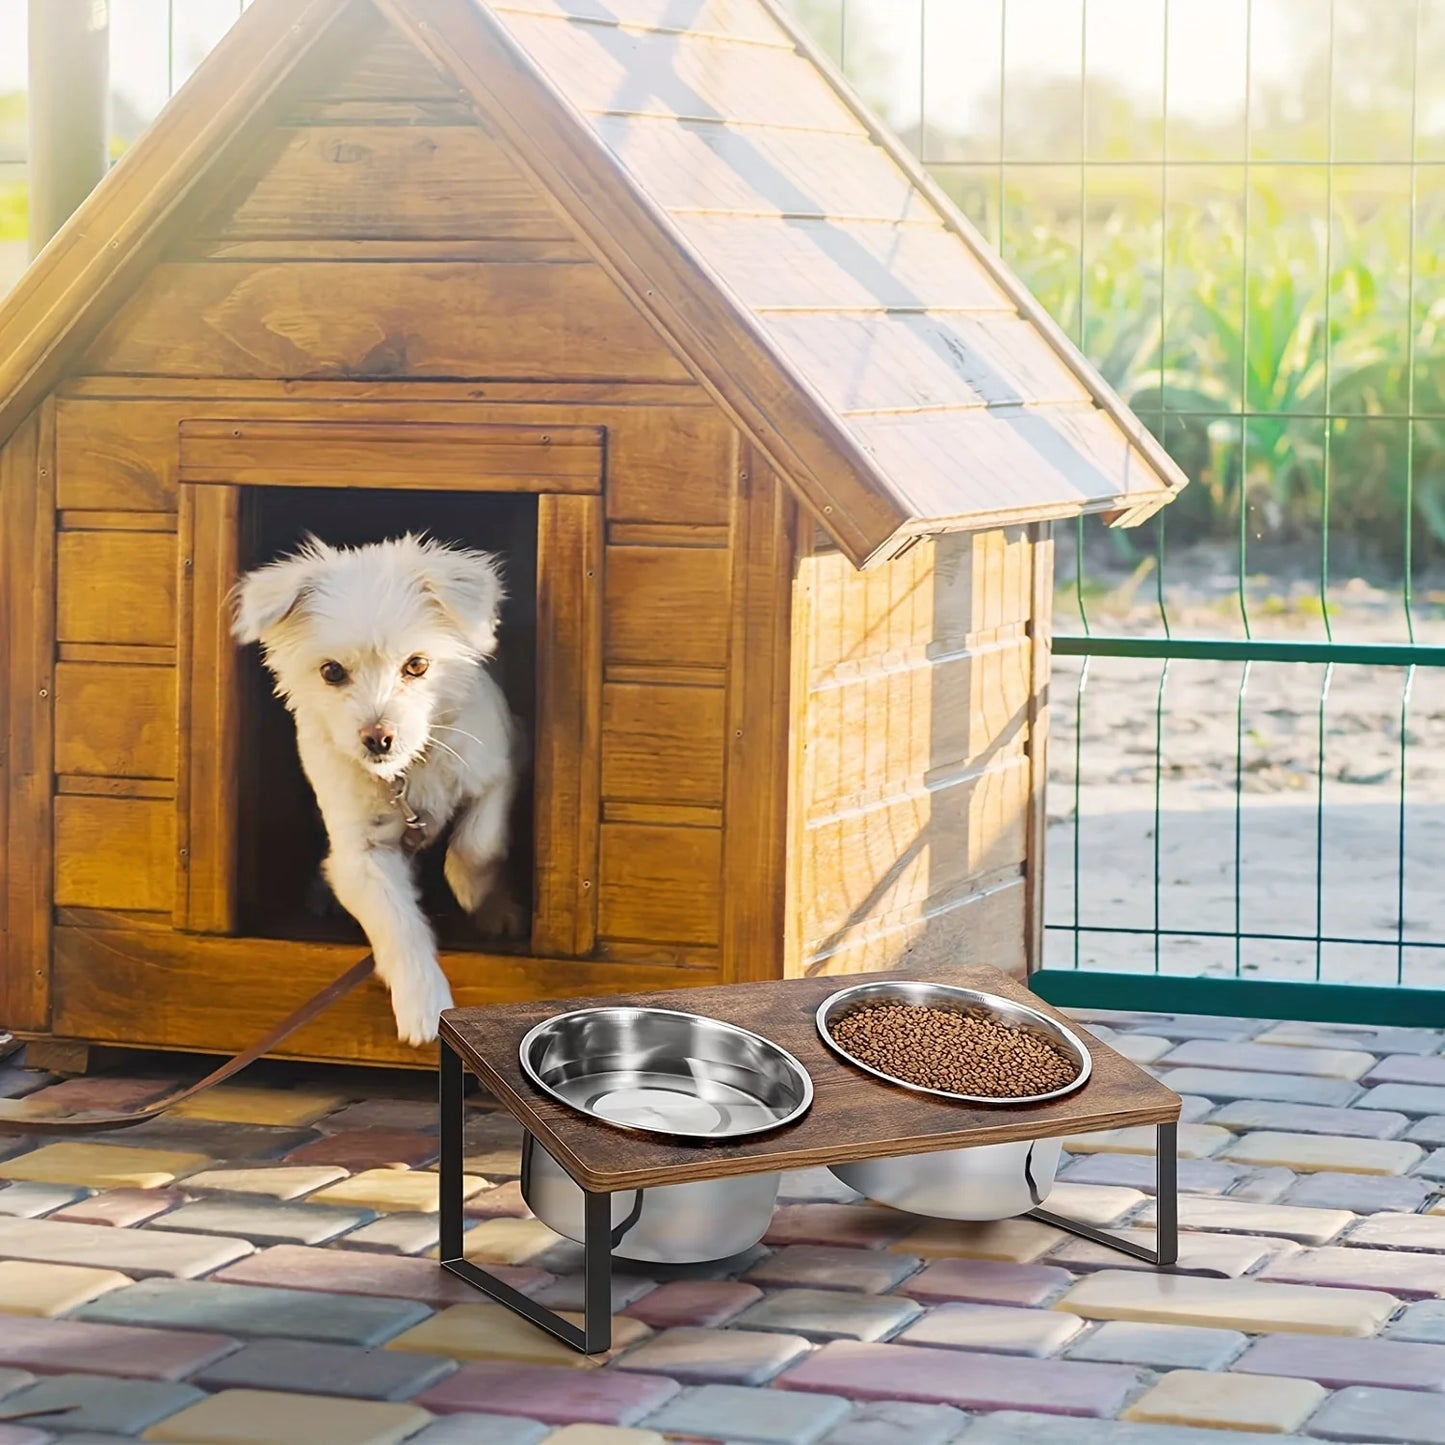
{"x": 657, "y": 1071}
{"x": 662, "y": 1072}
{"x": 670, "y": 1224}
{"x": 959, "y": 1000}
{"x": 988, "y": 1181}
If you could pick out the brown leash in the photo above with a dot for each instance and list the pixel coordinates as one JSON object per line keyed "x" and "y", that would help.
{"x": 95, "y": 1123}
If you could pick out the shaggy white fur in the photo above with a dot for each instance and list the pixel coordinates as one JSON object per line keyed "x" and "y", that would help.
{"x": 379, "y": 653}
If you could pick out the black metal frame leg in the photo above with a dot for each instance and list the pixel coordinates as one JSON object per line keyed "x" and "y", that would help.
{"x": 1166, "y": 1251}
{"x": 595, "y": 1336}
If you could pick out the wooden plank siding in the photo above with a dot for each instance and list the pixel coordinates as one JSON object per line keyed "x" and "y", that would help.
{"x": 911, "y": 782}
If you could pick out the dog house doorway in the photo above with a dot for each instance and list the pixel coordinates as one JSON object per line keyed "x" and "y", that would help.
{"x": 249, "y": 837}
{"x": 281, "y": 840}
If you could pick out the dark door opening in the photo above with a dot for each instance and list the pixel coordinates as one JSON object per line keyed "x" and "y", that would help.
{"x": 281, "y": 840}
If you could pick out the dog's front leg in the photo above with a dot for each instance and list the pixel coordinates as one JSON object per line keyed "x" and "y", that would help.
{"x": 374, "y": 884}
{"x": 476, "y": 862}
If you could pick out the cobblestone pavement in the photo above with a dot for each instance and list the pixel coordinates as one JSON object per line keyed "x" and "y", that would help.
{"x": 254, "y": 1268}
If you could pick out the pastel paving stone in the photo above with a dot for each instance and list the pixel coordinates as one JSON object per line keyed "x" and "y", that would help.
{"x": 121, "y": 1208}
{"x": 362, "y": 1149}
{"x": 490, "y": 1331}
{"x": 1269, "y": 1059}
{"x": 697, "y": 1302}
{"x": 244, "y": 1104}
{"x": 1240, "y": 1216}
{"x": 1367, "y": 1413}
{"x": 220, "y": 1143}
{"x": 1196, "y": 1141}
{"x": 410, "y": 1116}
{"x": 310, "y": 1368}
{"x": 994, "y": 1329}
{"x": 1159, "y": 1347}
{"x": 280, "y": 1181}
{"x": 1405, "y": 1098}
{"x": 510, "y": 1241}
{"x": 264, "y": 1222}
{"x": 603, "y": 1435}
{"x": 1224, "y": 1084}
{"x": 1222, "y": 1255}
{"x": 30, "y": 1288}
{"x": 1305, "y": 1153}
{"x": 29, "y": 1201}
{"x": 831, "y": 1314}
{"x": 1010, "y": 1427}
{"x": 100, "y": 1403}
{"x": 1360, "y": 1193}
{"x": 139, "y": 1253}
{"x": 555, "y": 1395}
{"x": 731, "y": 1356}
{"x": 957, "y": 1377}
{"x": 986, "y": 1281}
{"x": 248, "y": 1311}
{"x": 51, "y": 1347}
{"x": 768, "y": 1417}
{"x": 503, "y": 1202}
{"x": 266, "y": 1417}
{"x": 1140, "y": 1172}
{"x": 1241, "y": 1115}
{"x": 1140, "y": 1048}
{"x": 356, "y": 1272}
{"x": 101, "y": 1166}
{"x": 1014, "y": 1241}
{"x": 1408, "y": 1069}
{"x": 1377, "y": 1041}
{"x": 1400, "y": 1231}
{"x": 1423, "y": 1322}
{"x": 1228, "y": 1402}
{"x": 1411, "y": 1276}
{"x": 1429, "y": 1131}
{"x": 1398, "y": 1364}
{"x": 1098, "y": 1205}
{"x": 100, "y": 1095}
{"x": 397, "y": 1233}
{"x": 820, "y": 1266}
{"x": 569, "y": 1291}
{"x": 1432, "y": 1167}
{"x": 857, "y": 1226}
{"x": 1242, "y": 1304}
{"x": 480, "y": 1429}
{"x": 887, "y": 1422}
{"x": 390, "y": 1191}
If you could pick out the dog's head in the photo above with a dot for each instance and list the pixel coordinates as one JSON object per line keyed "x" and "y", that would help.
{"x": 372, "y": 643}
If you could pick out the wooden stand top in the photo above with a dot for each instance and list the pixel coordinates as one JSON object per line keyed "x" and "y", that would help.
{"x": 854, "y": 1115}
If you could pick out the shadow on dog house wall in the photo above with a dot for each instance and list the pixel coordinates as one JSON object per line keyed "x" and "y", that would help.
{"x": 636, "y": 294}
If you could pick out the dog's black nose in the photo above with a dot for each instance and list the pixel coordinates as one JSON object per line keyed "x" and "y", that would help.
{"x": 378, "y": 739}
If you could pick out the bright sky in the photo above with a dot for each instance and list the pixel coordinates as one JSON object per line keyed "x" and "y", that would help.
{"x": 1206, "y": 71}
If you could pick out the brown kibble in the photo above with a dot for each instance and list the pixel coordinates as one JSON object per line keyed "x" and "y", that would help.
{"x": 956, "y": 1052}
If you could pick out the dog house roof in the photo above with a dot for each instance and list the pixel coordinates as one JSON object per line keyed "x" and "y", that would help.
{"x": 840, "y": 308}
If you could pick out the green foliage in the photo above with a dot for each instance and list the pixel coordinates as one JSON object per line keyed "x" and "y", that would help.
{"x": 14, "y": 210}
{"x": 1271, "y": 355}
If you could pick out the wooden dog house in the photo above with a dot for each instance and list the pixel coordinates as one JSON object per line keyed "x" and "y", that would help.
{"x": 635, "y": 292}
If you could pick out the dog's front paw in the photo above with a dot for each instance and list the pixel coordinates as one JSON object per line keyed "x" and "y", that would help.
{"x": 500, "y": 915}
{"x": 418, "y": 1001}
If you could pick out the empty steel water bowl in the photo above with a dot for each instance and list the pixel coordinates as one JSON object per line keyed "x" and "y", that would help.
{"x": 988, "y": 1181}
{"x": 675, "y": 1074}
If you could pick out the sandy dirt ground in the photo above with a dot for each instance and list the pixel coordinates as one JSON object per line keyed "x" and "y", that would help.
{"x": 1308, "y": 856}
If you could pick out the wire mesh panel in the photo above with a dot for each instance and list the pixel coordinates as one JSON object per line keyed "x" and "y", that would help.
{"x": 1237, "y": 209}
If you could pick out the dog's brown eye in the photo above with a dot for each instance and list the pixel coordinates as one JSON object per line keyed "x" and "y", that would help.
{"x": 416, "y": 666}
{"x": 333, "y": 672}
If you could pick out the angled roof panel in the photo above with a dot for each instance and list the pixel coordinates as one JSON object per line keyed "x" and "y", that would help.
{"x": 858, "y": 278}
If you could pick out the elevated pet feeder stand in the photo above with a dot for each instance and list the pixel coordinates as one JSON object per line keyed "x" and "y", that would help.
{"x": 854, "y": 1116}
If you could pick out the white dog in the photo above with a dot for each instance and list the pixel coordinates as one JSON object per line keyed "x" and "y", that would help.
{"x": 379, "y": 653}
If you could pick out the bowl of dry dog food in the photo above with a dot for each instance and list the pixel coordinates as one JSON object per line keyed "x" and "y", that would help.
{"x": 972, "y": 1048}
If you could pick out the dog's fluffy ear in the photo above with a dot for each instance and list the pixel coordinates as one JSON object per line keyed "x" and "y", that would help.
{"x": 467, "y": 586}
{"x": 265, "y": 598}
